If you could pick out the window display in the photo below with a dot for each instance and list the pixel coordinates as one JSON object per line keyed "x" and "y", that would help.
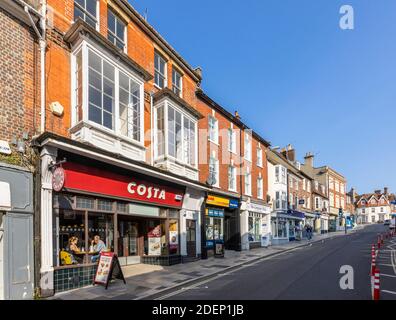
{"x": 254, "y": 223}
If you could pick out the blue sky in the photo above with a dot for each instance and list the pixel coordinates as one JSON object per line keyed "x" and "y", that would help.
{"x": 296, "y": 77}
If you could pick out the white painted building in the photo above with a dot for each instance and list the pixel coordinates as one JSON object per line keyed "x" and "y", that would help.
{"x": 373, "y": 207}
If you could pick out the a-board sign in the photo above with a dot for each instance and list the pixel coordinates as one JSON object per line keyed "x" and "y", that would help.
{"x": 108, "y": 268}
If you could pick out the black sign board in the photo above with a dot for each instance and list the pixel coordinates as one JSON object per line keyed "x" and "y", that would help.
{"x": 108, "y": 268}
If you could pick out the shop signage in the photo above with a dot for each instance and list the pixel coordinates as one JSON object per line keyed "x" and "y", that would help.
{"x": 5, "y": 147}
{"x": 222, "y": 202}
{"x": 108, "y": 267}
{"x": 258, "y": 208}
{"x": 218, "y": 213}
{"x": 58, "y": 179}
{"x": 100, "y": 182}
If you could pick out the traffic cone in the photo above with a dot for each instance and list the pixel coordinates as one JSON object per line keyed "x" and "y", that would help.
{"x": 376, "y": 295}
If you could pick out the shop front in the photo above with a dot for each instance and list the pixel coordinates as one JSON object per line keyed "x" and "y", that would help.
{"x": 286, "y": 226}
{"x": 255, "y": 225}
{"x": 324, "y": 223}
{"x": 310, "y": 220}
{"x": 136, "y": 218}
{"x": 221, "y": 225}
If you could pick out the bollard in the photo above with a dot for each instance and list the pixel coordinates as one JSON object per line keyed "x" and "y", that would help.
{"x": 376, "y": 295}
{"x": 382, "y": 239}
{"x": 372, "y": 266}
{"x": 378, "y": 243}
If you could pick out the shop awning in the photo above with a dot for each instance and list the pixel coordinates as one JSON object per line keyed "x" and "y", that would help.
{"x": 291, "y": 214}
{"x": 310, "y": 215}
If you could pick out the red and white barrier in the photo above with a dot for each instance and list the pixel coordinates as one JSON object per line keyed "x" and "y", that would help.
{"x": 373, "y": 268}
{"x": 376, "y": 292}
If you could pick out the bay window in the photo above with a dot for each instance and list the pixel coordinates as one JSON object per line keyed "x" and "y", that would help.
{"x": 175, "y": 135}
{"x": 106, "y": 95}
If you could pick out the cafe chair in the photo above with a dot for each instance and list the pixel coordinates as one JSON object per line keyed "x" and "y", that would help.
{"x": 66, "y": 258}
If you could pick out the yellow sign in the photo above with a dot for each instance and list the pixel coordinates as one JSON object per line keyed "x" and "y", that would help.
{"x": 218, "y": 201}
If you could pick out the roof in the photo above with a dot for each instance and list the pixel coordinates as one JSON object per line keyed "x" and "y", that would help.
{"x": 275, "y": 158}
{"x": 166, "y": 92}
{"x": 213, "y": 104}
{"x": 80, "y": 27}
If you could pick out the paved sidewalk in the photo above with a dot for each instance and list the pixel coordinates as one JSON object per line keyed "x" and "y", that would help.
{"x": 144, "y": 281}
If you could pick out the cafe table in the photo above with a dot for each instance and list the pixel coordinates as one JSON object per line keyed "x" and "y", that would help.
{"x": 86, "y": 255}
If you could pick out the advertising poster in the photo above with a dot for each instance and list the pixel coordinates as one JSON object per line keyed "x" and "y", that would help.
{"x": 154, "y": 241}
{"x": 173, "y": 239}
{"x": 104, "y": 266}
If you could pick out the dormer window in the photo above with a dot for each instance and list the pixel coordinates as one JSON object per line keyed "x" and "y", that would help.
{"x": 86, "y": 10}
{"x": 116, "y": 30}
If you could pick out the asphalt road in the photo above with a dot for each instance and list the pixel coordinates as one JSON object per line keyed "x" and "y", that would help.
{"x": 308, "y": 273}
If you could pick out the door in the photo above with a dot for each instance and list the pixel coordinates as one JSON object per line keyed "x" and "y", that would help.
{"x": 128, "y": 242}
{"x": 18, "y": 256}
{"x": 191, "y": 238}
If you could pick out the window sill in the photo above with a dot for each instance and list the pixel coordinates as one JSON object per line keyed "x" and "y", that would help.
{"x": 214, "y": 142}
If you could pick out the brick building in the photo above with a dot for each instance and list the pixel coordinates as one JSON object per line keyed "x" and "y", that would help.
{"x": 19, "y": 121}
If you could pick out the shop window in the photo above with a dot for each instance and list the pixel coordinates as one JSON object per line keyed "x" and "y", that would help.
{"x": 254, "y": 228}
{"x": 85, "y": 203}
{"x": 121, "y": 207}
{"x": 101, "y": 225}
{"x": 105, "y": 205}
{"x": 173, "y": 236}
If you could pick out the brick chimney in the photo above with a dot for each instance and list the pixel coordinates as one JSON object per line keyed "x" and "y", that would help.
{"x": 289, "y": 153}
{"x": 237, "y": 115}
{"x": 309, "y": 160}
{"x": 386, "y": 190}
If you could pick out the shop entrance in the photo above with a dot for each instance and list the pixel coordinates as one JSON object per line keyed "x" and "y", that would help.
{"x": 191, "y": 238}
{"x": 128, "y": 241}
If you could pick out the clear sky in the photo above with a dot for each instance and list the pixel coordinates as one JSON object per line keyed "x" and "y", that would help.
{"x": 296, "y": 77}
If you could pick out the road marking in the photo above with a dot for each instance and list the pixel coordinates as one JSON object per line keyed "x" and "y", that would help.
{"x": 385, "y": 264}
{"x": 387, "y": 291}
{"x": 387, "y": 275}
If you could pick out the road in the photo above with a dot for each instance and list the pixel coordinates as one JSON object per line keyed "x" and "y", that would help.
{"x": 308, "y": 273}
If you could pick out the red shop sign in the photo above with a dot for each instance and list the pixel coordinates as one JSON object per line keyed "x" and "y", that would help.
{"x": 101, "y": 182}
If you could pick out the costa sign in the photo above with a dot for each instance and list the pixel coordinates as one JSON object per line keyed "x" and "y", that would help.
{"x": 101, "y": 182}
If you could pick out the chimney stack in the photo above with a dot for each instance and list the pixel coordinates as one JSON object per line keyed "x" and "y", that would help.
{"x": 377, "y": 191}
{"x": 386, "y": 190}
{"x": 309, "y": 160}
{"x": 237, "y": 115}
{"x": 289, "y": 153}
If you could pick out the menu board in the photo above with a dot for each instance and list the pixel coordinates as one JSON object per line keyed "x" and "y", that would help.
{"x": 104, "y": 266}
{"x": 108, "y": 267}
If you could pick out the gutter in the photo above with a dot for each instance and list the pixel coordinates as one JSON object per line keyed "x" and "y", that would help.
{"x": 43, "y": 44}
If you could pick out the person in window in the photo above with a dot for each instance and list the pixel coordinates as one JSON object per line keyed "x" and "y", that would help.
{"x": 73, "y": 249}
{"x": 97, "y": 246}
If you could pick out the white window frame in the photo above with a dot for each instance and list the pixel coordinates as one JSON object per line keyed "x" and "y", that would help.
{"x": 113, "y": 34}
{"x": 248, "y": 183}
{"x": 216, "y": 166}
{"x": 283, "y": 175}
{"x": 233, "y": 174}
{"x": 215, "y": 130}
{"x": 85, "y": 46}
{"x": 97, "y": 18}
{"x": 166, "y": 105}
{"x": 231, "y": 135}
{"x": 175, "y": 70}
{"x": 260, "y": 186}
{"x": 260, "y": 157}
{"x": 165, "y": 75}
{"x": 248, "y": 147}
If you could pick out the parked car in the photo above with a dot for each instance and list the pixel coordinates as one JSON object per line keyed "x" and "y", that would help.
{"x": 387, "y": 222}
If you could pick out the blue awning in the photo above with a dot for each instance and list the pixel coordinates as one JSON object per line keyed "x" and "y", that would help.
{"x": 296, "y": 214}
{"x": 290, "y": 214}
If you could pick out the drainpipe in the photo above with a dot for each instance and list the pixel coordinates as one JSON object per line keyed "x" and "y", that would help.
{"x": 43, "y": 45}
{"x": 152, "y": 127}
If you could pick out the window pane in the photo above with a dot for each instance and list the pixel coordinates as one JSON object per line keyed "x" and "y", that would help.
{"x": 160, "y": 131}
{"x": 108, "y": 103}
{"x": 91, "y": 7}
{"x": 107, "y": 120}
{"x": 78, "y": 13}
{"x": 108, "y": 70}
{"x": 95, "y": 97}
{"x": 111, "y": 21}
{"x": 95, "y": 114}
{"x": 95, "y": 61}
{"x": 120, "y": 29}
{"x": 95, "y": 79}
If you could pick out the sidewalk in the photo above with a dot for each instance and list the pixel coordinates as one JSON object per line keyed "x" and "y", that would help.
{"x": 148, "y": 281}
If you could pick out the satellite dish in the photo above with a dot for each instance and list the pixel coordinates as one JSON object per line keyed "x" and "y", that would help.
{"x": 211, "y": 180}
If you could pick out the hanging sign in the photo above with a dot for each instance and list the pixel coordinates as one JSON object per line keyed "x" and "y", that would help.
{"x": 108, "y": 267}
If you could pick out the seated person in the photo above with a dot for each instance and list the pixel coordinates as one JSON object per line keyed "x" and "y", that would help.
{"x": 73, "y": 248}
{"x": 98, "y": 246}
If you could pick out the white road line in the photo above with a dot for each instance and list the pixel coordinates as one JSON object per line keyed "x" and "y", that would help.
{"x": 387, "y": 275}
{"x": 385, "y": 264}
{"x": 387, "y": 291}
